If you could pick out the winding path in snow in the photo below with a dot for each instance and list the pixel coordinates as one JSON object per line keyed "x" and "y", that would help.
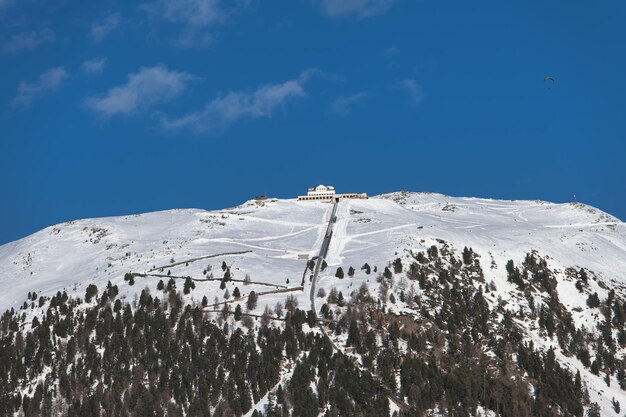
{"x": 186, "y": 261}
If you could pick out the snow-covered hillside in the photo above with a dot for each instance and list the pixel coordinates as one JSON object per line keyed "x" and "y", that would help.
{"x": 263, "y": 240}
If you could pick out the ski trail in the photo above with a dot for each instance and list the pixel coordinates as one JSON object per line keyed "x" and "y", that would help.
{"x": 558, "y": 226}
{"x": 340, "y": 237}
{"x": 387, "y": 229}
{"x": 247, "y": 245}
{"x": 321, "y": 229}
{"x": 268, "y": 238}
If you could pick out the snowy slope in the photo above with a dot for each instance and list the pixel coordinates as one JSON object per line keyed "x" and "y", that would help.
{"x": 73, "y": 255}
{"x": 263, "y": 240}
{"x": 571, "y": 235}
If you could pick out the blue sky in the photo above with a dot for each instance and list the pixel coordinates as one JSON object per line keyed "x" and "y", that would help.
{"x": 116, "y": 107}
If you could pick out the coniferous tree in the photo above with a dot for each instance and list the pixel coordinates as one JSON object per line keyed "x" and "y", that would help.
{"x": 616, "y": 405}
{"x": 421, "y": 258}
{"x": 325, "y": 310}
{"x": 397, "y": 266}
{"x": 188, "y": 286}
{"x": 251, "y": 301}
{"x": 91, "y": 292}
{"x": 583, "y": 276}
{"x": 354, "y": 335}
{"x": 340, "y": 299}
{"x": 100, "y": 356}
{"x": 467, "y": 256}
{"x": 594, "y": 410}
{"x": 387, "y": 273}
{"x": 593, "y": 300}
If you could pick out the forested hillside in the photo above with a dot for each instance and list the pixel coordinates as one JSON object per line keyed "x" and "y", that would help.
{"x": 424, "y": 306}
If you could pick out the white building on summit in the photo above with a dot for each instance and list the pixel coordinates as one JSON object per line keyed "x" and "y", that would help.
{"x": 327, "y": 193}
{"x": 322, "y": 191}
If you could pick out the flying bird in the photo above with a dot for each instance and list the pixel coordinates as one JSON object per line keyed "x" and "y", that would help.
{"x": 551, "y": 79}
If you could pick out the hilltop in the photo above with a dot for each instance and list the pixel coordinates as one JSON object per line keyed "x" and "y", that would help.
{"x": 532, "y": 266}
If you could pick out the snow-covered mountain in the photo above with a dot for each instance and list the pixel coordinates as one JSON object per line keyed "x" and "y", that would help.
{"x": 265, "y": 243}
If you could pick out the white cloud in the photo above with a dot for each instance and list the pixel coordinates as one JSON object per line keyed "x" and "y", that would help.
{"x": 415, "y": 91}
{"x": 28, "y": 40}
{"x": 239, "y": 105}
{"x": 48, "y": 81}
{"x": 342, "y": 106}
{"x": 355, "y": 8}
{"x": 100, "y": 29}
{"x": 94, "y": 66}
{"x": 391, "y": 53}
{"x": 145, "y": 88}
{"x": 197, "y": 18}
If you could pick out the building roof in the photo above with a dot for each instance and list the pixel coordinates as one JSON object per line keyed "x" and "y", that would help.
{"x": 322, "y": 187}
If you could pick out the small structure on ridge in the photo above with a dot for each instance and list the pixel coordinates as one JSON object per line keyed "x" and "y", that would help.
{"x": 327, "y": 193}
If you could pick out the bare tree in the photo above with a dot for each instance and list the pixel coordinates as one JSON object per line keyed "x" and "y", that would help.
{"x": 225, "y": 311}
{"x": 383, "y": 291}
{"x": 266, "y": 318}
{"x": 332, "y": 296}
{"x": 363, "y": 295}
{"x": 278, "y": 309}
{"x": 410, "y": 297}
{"x": 248, "y": 322}
{"x": 402, "y": 283}
{"x": 291, "y": 303}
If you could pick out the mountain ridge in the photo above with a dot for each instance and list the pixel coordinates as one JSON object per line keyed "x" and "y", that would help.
{"x": 531, "y": 255}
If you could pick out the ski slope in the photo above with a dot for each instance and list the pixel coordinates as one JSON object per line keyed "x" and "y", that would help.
{"x": 72, "y": 255}
{"x": 263, "y": 239}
